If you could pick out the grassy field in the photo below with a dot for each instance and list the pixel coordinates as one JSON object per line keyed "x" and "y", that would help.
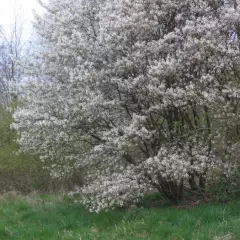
{"x": 51, "y": 217}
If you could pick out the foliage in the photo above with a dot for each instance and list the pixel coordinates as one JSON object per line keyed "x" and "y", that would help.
{"x": 50, "y": 217}
{"x": 139, "y": 93}
{"x": 225, "y": 189}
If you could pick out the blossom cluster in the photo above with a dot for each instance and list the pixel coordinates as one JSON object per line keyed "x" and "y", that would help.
{"x": 109, "y": 192}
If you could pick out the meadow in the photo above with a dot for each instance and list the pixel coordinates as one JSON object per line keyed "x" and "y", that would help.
{"x": 51, "y": 217}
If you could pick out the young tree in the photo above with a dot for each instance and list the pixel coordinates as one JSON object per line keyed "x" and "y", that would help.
{"x": 135, "y": 92}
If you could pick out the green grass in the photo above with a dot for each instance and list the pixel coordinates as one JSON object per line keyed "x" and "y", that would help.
{"x": 52, "y": 217}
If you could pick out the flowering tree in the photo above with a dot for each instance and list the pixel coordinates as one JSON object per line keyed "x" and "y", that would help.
{"x": 140, "y": 93}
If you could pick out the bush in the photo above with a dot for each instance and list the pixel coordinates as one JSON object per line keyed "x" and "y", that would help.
{"x": 226, "y": 188}
{"x": 24, "y": 172}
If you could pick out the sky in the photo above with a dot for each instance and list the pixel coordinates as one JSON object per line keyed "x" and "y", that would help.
{"x": 24, "y": 9}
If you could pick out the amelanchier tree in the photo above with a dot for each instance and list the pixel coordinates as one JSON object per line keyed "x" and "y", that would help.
{"x": 142, "y": 94}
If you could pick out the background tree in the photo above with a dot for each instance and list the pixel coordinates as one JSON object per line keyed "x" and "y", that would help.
{"x": 11, "y": 52}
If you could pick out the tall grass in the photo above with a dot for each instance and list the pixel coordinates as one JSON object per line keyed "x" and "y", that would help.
{"x": 52, "y": 217}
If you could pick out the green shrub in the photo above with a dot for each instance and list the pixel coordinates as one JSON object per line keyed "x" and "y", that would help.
{"x": 225, "y": 189}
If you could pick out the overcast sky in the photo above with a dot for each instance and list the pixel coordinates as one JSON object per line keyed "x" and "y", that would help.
{"x": 24, "y": 8}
